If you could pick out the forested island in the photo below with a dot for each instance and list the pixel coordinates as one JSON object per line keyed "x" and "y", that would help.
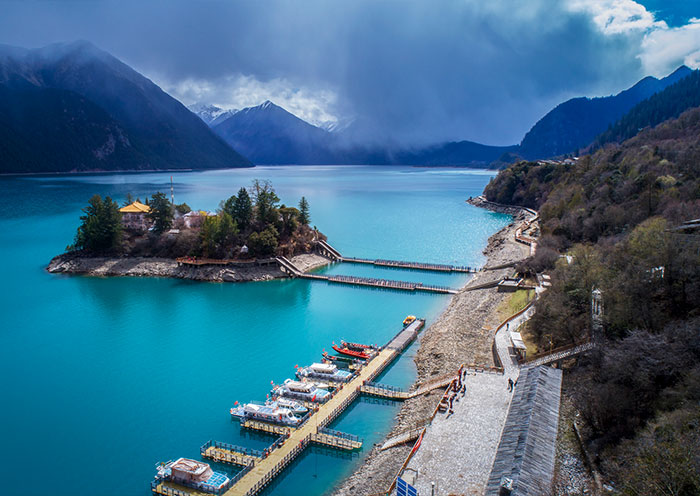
{"x": 249, "y": 226}
{"x": 622, "y": 223}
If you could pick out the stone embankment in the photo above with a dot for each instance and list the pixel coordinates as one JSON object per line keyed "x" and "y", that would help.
{"x": 70, "y": 263}
{"x": 462, "y": 334}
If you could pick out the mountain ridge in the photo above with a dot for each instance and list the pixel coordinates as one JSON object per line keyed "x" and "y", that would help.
{"x": 155, "y": 130}
{"x": 575, "y": 123}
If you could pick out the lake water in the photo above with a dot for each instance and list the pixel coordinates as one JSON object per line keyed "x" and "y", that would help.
{"x": 103, "y": 377}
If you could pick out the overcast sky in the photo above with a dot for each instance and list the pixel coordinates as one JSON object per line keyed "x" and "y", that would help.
{"x": 410, "y": 71}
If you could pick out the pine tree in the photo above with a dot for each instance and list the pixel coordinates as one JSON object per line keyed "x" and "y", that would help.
{"x": 161, "y": 213}
{"x": 304, "y": 217}
{"x": 101, "y": 228}
{"x": 242, "y": 211}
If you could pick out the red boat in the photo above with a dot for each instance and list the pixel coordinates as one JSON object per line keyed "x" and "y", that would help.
{"x": 357, "y": 346}
{"x": 353, "y": 353}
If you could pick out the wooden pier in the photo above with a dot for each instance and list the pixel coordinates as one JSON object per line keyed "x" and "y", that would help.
{"x": 394, "y": 393}
{"x": 230, "y": 454}
{"x": 400, "y": 264}
{"x": 328, "y": 251}
{"x": 289, "y": 268}
{"x": 264, "y": 470}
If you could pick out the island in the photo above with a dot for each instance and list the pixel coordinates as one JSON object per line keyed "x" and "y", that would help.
{"x": 157, "y": 237}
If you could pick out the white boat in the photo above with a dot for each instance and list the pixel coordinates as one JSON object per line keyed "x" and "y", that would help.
{"x": 324, "y": 371}
{"x": 296, "y": 407}
{"x": 192, "y": 473}
{"x": 266, "y": 413}
{"x": 301, "y": 391}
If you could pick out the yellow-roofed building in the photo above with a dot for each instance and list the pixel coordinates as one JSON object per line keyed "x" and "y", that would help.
{"x": 134, "y": 216}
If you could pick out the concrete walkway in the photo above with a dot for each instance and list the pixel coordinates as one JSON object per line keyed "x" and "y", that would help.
{"x": 458, "y": 449}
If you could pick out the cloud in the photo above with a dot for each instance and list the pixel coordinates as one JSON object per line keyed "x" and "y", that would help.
{"x": 661, "y": 48}
{"x": 665, "y": 49}
{"x": 618, "y": 16}
{"x": 237, "y": 91}
{"x": 410, "y": 71}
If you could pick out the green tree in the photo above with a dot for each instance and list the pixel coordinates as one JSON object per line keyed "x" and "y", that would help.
{"x": 229, "y": 206}
{"x": 290, "y": 219}
{"x": 129, "y": 199}
{"x": 161, "y": 212}
{"x": 243, "y": 209}
{"x": 101, "y": 227}
{"x": 266, "y": 201}
{"x": 226, "y": 231}
{"x": 263, "y": 243}
{"x": 183, "y": 208}
{"x": 209, "y": 234}
{"x": 304, "y": 217}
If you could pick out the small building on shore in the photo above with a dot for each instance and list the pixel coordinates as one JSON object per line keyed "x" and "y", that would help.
{"x": 135, "y": 216}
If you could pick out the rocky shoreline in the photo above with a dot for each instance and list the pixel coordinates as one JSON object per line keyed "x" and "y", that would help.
{"x": 462, "y": 334}
{"x": 517, "y": 212}
{"x": 71, "y": 263}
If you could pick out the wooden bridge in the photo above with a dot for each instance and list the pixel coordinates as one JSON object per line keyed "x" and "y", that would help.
{"x": 400, "y": 264}
{"x": 394, "y": 393}
{"x": 403, "y": 437}
{"x": 293, "y": 441}
{"x": 558, "y": 354}
{"x": 289, "y": 268}
{"x": 328, "y": 251}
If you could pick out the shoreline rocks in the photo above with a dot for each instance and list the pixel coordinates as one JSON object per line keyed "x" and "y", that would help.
{"x": 71, "y": 263}
{"x": 517, "y": 212}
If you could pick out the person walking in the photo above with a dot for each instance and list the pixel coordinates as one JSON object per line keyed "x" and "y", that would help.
{"x": 510, "y": 384}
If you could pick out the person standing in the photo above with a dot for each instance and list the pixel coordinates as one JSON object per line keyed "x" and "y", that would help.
{"x": 510, "y": 384}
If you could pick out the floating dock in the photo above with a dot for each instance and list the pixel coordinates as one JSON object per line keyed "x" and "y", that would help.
{"x": 327, "y": 250}
{"x": 400, "y": 264}
{"x": 292, "y": 270}
{"x": 261, "y": 471}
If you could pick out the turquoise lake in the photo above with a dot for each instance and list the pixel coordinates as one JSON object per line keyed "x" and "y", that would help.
{"x": 104, "y": 377}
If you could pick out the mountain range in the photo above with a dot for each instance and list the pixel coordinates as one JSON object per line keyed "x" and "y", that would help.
{"x": 72, "y": 107}
{"x": 89, "y": 111}
{"x": 268, "y": 134}
{"x": 575, "y": 123}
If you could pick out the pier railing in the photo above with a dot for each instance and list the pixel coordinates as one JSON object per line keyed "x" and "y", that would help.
{"x": 157, "y": 487}
{"x": 230, "y": 447}
{"x": 343, "y": 435}
{"x": 267, "y": 478}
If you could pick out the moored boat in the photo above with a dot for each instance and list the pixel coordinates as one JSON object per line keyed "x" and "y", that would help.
{"x": 353, "y": 353}
{"x": 358, "y": 346}
{"x": 324, "y": 371}
{"x": 294, "y": 406}
{"x": 192, "y": 473}
{"x": 409, "y": 320}
{"x": 265, "y": 413}
{"x": 301, "y": 391}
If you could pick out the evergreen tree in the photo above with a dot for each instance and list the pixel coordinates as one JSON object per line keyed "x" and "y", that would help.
{"x": 266, "y": 201}
{"x": 243, "y": 209}
{"x": 263, "y": 243}
{"x": 304, "y": 217}
{"x": 229, "y": 206}
{"x": 161, "y": 212}
{"x": 101, "y": 228}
